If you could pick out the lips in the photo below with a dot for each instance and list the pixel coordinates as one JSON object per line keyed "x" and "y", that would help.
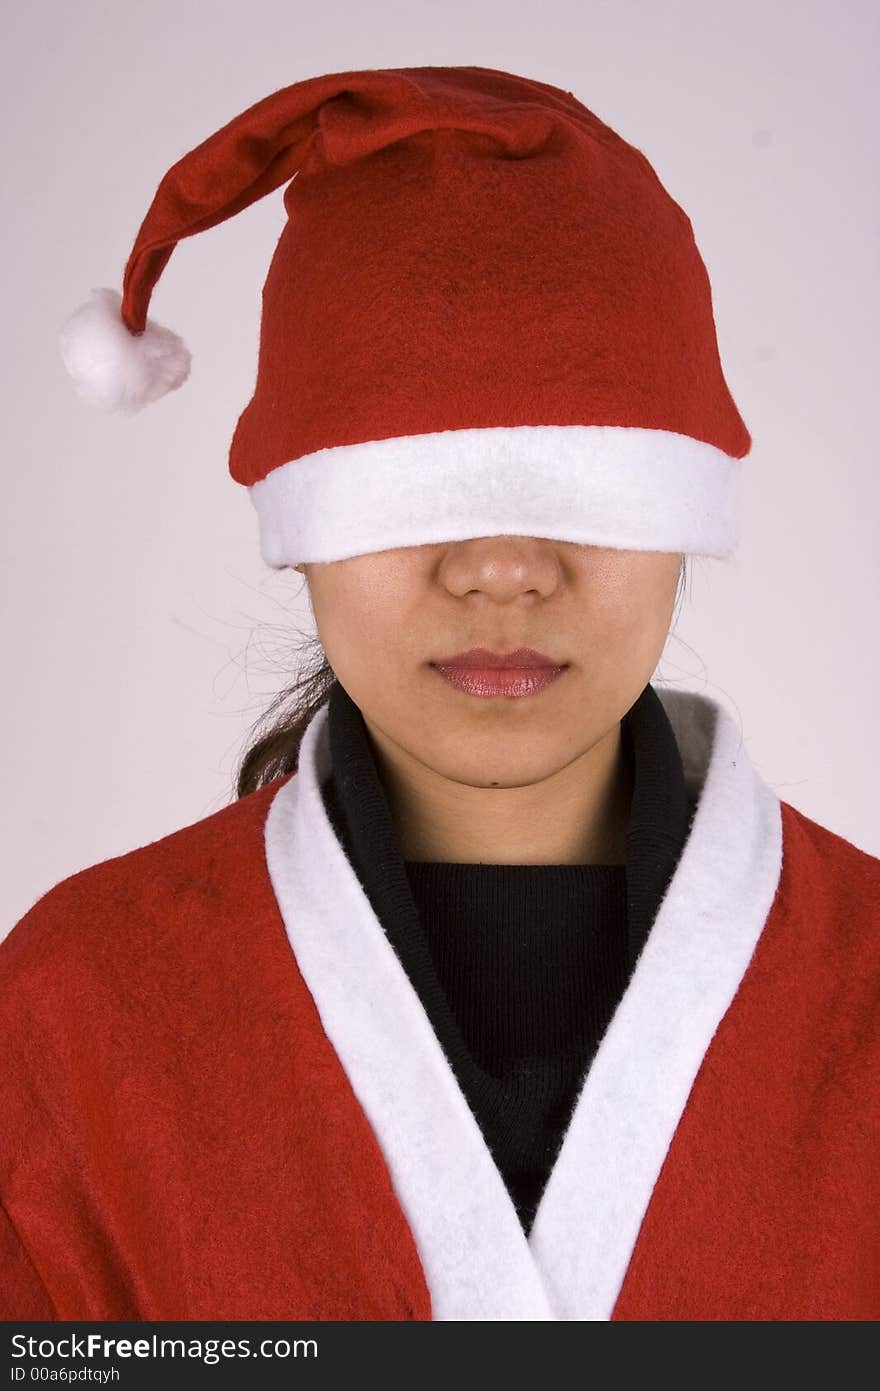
{"x": 481, "y": 659}
{"x": 479, "y": 672}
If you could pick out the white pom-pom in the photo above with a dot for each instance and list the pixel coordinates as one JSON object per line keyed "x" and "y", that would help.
{"x": 117, "y": 370}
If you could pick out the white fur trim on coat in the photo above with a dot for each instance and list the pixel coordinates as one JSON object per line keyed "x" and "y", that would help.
{"x": 477, "y": 1261}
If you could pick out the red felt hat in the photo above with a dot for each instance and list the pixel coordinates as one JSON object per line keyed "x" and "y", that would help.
{"x": 485, "y": 315}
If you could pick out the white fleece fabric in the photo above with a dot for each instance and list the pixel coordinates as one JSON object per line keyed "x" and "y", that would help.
{"x": 600, "y": 485}
{"x": 477, "y": 1260}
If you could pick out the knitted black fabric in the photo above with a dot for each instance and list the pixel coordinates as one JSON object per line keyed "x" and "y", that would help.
{"x": 518, "y": 967}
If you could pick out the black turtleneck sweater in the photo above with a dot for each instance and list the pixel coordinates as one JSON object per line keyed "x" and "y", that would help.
{"x": 519, "y": 967}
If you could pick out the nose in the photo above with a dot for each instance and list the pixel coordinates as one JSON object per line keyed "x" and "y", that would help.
{"x": 501, "y": 567}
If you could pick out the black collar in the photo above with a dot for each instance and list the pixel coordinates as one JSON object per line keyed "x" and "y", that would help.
{"x": 659, "y": 822}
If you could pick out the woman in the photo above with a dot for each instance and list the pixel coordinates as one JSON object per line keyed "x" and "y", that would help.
{"x": 507, "y": 988}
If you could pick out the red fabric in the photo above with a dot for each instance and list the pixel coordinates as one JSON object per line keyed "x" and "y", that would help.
{"x": 179, "y": 1140}
{"x": 441, "y": 219}
{"x": 22, "y": 1293}
{"x": 768, "y": 1204}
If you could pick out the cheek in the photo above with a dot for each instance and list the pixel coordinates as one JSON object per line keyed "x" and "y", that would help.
{"x": 621, "y": 642}
{"x": 645, "y": 623}
{"x": 634, "y": 601}
{"x": 355, "y": 627}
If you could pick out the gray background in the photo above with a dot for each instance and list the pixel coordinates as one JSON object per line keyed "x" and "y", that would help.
{"x": 142, "y": 632}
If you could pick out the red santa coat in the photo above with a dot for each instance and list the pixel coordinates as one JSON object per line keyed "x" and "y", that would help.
{"x": 222, "y": 1098}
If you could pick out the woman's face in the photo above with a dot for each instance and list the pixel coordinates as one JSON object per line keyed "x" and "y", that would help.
{"x": 383, "y": 618}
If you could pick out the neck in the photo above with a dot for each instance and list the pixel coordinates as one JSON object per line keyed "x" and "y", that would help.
{"x": 578, "y": 815}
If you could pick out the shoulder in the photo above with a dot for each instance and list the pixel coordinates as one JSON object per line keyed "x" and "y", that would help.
{"x": 832, "y": 887}
{"x": 818, "y": 847}
{"x": 123, "y": 969}
{"x": 149, "y": 901}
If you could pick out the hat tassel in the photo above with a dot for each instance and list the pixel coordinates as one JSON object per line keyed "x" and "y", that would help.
{"x": 113, "y": 368}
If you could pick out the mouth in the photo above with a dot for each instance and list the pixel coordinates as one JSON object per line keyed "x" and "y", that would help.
{"x": 481, "y": 659}
{"x": 491, "y": 674}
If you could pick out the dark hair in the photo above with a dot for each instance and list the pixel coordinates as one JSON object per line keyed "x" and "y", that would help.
{"x": 272, "y": 747}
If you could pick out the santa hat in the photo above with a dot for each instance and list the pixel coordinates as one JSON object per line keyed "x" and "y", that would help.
{"x": 485, "y": 315}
